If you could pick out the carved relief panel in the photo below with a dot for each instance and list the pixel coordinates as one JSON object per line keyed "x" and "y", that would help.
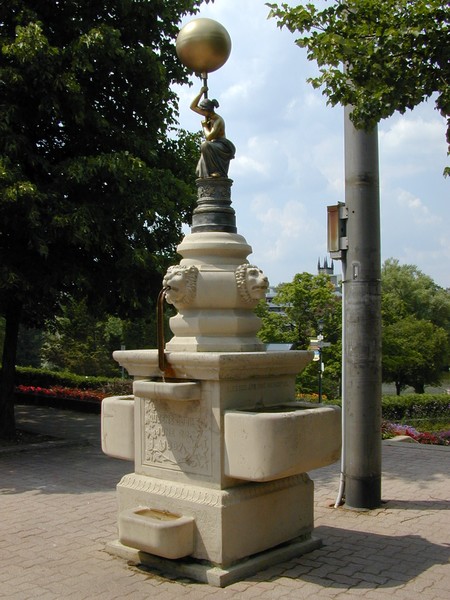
{"x": 177, "y": 437}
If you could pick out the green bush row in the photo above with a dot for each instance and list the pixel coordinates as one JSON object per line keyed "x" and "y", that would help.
{"x": 415, "y": 405}
{"x": 418, "y": 406}
{"x": 45, "y": 378}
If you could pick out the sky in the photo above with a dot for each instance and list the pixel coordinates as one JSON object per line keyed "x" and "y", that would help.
{"x": 289, "y": 163}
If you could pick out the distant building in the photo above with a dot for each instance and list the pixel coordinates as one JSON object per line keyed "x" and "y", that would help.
{"x": 335, "y": 278}
{"x": 272, "y": 306}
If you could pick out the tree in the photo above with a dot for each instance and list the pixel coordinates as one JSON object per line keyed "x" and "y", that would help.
{"x": 408, "y": 291}
{"x": 95, "y": 180}
{"x": 416, "y": 327}
{"x": 413, "y": 353}
{"x": 81, "y": 343}
{"x": 309, "y": 301}
{"x": 398, "y": 52}
{"x": 276, "y": 328}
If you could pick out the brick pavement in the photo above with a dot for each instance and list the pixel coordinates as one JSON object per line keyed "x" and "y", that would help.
{"x": 58, "y": 510}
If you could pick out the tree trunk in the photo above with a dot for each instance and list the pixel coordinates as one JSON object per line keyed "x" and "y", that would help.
{"x": 7, "y": 418}
{"x": 398, "y": 387}
{"x": 419, "y": 388}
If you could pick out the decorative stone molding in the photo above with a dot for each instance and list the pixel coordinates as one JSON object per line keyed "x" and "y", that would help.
{"x": 251, "y": 282}
{"x": 180, "y": 283}
{"x": 214, "y": 211}
{"x": 214, "y": 188}
{"x": 208, "y": 496}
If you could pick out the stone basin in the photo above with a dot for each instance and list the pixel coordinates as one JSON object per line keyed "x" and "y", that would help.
{"x": 178, "y": 391}
{"x": 157, "y": 532}
{"x": 272, "y": 442}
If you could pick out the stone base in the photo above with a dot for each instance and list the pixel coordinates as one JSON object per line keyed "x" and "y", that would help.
{"x": 230, "y": 524}
{"x": 205, "y": 572}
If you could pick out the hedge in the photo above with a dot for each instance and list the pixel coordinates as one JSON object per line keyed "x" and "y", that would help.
{"x": 396, "y": 408}
{"x": 45, "y": 378}
{"x": 416, "y": 406}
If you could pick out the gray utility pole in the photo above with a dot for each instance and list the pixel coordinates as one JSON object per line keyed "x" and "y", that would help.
{"x": 361, "y": 266}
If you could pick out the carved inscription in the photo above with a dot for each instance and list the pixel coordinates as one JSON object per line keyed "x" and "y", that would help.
{"x": 258, "y": 385}
{"x": 177, "y": 438}
{"x": 254, "y": 391}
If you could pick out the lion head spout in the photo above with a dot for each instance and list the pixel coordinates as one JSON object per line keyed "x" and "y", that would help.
{"x": 180, "y": 284}
{"x": 251, "y": 282}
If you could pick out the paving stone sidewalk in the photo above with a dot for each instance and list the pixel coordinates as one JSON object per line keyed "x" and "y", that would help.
{"x": 58, "y": 510}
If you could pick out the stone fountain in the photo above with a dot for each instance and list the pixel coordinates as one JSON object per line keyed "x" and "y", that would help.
{"x": 220, "y": 446}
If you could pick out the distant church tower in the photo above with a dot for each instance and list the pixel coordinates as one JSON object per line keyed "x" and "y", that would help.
{"x": 327, "y": 270}
{"x": 336, "y": 280}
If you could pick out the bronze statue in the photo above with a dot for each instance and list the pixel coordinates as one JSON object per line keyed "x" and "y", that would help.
{"x": 216, "y": 150}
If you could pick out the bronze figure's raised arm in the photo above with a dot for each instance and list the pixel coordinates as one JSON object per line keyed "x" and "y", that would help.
{"x": 216, "y": 150}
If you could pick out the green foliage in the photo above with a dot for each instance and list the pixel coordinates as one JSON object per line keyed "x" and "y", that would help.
{"x": 396, "y": 53}
{"x": 309, "y": 301}
{"x": 29, "y": 347}
{"x": 79, "y": 342}
{"x": 409, "y": 406}
{"x": 276, "y": 327}
{"x": 408, "y": 291}
{"x": 414, "y": 353}
{"x": 96, "y": 179}
{"x": 415, "y": 406}
{"x": 416, "y": 327}
{"x": 45, "y": 378}
{"x": 2, "y": 331}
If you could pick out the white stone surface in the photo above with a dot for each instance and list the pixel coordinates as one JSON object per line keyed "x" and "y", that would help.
{"x": 183, "y": 445}
{"x": 233, "y": 523}
{"x": 196, "y": 366}
{"x": 157, "y": 532}
{"x": 274, "y": 442}
{"x": 219, "y": 315}
{"x": 163, "y": 390}
{"x": 117, "y": 427}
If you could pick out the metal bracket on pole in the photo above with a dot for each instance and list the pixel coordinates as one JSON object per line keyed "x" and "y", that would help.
{"x": 337, "y": 230}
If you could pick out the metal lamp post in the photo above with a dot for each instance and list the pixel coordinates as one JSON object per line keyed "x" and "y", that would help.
{"x": 320, "y": 344}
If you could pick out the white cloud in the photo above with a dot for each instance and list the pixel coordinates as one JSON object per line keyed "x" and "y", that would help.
{"x": 246, "y": 165}
{"x": 287, "y": 221}
{"x": 413, "y": 134}
{"x": 420, "y": 213}
{"x": 413, "y": 144}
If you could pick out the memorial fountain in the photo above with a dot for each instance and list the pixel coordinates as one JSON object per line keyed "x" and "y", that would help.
{"x": 221, "y": 448}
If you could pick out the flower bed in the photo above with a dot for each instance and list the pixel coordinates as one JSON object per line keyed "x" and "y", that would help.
{"x": 390, "y": 430}
{"x": 61, "y": 397}
{"x": 57, "y": 391}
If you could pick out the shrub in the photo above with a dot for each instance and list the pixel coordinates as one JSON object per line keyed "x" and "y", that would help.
{"x": 45, "y": 378}
{"x": 418, "y": 406}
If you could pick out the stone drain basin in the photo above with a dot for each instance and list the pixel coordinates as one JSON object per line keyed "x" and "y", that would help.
{"x": 157, "y": 532}
{"x": 272, "y": 442}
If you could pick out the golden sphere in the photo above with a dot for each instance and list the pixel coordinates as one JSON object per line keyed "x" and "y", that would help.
{"x": 203, "y": 45}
